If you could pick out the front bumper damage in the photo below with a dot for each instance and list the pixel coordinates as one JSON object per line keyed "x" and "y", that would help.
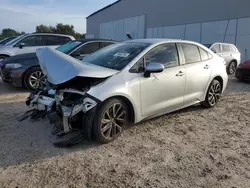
{"x": 67, "y": 110}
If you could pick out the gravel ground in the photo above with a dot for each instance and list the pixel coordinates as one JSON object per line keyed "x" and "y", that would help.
{"x": 191, "y": 148}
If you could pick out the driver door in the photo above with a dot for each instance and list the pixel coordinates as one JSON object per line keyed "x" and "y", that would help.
{"x": 31, "y": 44}
{"x": 165, "y": 90}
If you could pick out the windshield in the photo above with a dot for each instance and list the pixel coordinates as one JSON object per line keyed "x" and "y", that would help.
{"x": 6, "y": 40}
{"x": 207, "y": 45}
{"x": 15, "y": 40}
{"x": 116, "y": 56}
{"x": 66, "y": 48}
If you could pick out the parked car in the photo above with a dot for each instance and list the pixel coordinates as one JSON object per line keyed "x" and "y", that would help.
{"x": 243, "y": 71}
{"x": 126, "y": 83}
{"x": 6, "y": 40}
{"x": 28, "y": 43}
{"x": 229, "y": 52}
{"x": 24, "y": 70}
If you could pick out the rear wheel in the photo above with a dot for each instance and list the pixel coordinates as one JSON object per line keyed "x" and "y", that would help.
{"x": 213, "y": 94}
{"x": 231, "y": 69}
{"x": 33, "y": 79}
{"x": 111, "y": 119}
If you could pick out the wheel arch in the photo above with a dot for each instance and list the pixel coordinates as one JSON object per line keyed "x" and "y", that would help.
{"x": 131, "y": 108}
{"x": 26, "y": 71}
{"x": 5, "y": 55}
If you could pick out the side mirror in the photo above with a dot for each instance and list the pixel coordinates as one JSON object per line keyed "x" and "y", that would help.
{"x": 153, "y": 68}
{"x": 75, "y": 55}
{"x": 21, "y": 45}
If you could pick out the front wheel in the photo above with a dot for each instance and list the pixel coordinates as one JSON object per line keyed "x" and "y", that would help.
{"x": 33, "y": 79}
{"x": 213, "y": 94}
{"x": 111, "y": 119}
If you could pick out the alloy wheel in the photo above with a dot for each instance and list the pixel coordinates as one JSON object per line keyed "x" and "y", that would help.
{"x": 232, "y": 68}
{"x": 113, "y": 121}
{"x": 214, "y": 93}
{"x": 36, "y": 79}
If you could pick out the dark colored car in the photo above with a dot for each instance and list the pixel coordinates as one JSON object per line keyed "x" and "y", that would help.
{"x": 243, "y": 71}
{"x": 24, "y": 70}
{"x": 6, "y": 40}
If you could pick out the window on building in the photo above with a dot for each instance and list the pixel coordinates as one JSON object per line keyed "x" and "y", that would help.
{"x": 191, "y": 53}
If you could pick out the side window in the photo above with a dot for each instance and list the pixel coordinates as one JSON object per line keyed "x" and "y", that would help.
{"x": 191, "y": 53}
{"x": 51, "y": 40}
{"x": 204, "y": 54}
{"x": 165, "y": 54}
{"x": 216, "y": 48}
{"x": 232, "y": 48}
{"x": 225, "y": 48}
{"x": 88, "y": 48}
{"x": 65, "y": 40}
{"x": 32, "y": 41}
{"x": 104, "y": 44}
{"x": 138, "y": 67}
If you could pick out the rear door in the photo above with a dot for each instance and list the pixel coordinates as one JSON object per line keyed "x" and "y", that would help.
{"x": 198, "y": 72}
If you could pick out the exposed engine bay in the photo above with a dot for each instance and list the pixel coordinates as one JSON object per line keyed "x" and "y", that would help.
{"x": 66, "y": 106}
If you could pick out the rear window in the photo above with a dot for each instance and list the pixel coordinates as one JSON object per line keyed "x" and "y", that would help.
{"x": 233, "y": 49}
{"x": 191, "y": 53}
{"x": 51, "y": 40}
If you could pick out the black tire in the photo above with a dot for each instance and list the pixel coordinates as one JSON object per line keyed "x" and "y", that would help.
{"x": 113, "y": 131}
{"x": 231, "y": 68}
{"x": 27, "y": 78}
{"x": 212, "y": 98}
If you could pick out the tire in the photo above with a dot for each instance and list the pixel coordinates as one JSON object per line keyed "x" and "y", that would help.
{"x": 29, "y": 78}
{"x": 110, "y": 123}
{"x": 213, "y": 94}
{"x": 231, "y": 68}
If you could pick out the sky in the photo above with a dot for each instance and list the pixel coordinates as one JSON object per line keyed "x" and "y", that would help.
{"x": 25, "y": 15}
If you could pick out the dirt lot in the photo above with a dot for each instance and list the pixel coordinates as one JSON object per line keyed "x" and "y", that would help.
{"x": 194, "y": 147}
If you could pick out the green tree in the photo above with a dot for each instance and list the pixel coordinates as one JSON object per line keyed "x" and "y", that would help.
{"x": 44, "y": 29}
{"x": 64, "y": 29}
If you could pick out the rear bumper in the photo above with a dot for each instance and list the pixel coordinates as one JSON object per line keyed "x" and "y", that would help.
{"x": 243, "y": 73}
{"x": 14, "y": 77}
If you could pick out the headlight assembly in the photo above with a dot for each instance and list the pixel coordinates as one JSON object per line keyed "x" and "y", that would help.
{"x": 13, "y": 66}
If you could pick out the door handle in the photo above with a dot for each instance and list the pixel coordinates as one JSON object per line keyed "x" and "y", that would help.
{"x": 207, "y": 67}
{"x": 180, "y": 74}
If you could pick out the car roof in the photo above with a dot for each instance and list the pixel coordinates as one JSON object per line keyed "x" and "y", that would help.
{"x": 54, "y": 34}
{"x": 90, "y": 40}
{"x": 161, "y": 40}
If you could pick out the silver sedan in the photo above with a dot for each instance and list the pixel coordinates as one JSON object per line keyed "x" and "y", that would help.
{"x": 128, "y": 82}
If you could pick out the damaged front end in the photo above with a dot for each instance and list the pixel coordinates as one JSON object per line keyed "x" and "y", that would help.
{"x": 68, "y": 108}
{"x": 64, "y": 99}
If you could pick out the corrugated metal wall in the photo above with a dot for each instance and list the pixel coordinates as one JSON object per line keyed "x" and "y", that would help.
{"x": 118, "y": 29}
{"x": 235, "y": 31}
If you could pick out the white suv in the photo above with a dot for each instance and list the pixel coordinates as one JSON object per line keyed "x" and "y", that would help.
{"x": 28, "y": 43}
{"x": 229, "y": 52}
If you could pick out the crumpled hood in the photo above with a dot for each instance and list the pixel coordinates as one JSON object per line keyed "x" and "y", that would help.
{"x": 60, "y": 68}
